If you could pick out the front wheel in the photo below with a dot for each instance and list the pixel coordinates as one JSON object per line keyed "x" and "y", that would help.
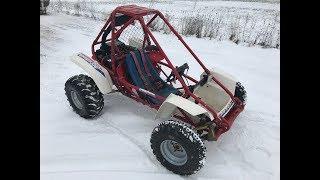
{"x": 84, "y": 96}
{"x": 178, "y": 148}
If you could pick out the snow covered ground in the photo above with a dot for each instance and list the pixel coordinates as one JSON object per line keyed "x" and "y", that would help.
{"x": 116, "y": 144}
{"x": 246, "y": 23}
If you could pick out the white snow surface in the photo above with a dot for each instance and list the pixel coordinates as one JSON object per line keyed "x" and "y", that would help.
{"x": 116, "y": 144}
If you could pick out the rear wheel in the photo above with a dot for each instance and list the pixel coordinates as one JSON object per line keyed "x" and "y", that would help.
{"x": 178, "y": 148}
{"x": 84, "y": 96}
{"x": 240, "y": 92}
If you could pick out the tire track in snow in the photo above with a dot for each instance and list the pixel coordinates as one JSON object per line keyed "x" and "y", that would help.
{"x": 106, "y": 122}
{"x": 266, "y": 124}
{"x": 121, "y": 132}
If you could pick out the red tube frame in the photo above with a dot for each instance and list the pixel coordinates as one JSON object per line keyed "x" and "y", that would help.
{"x": 223, "y": 124}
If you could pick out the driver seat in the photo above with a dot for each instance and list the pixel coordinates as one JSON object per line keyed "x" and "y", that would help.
{"x": 144, "y": 75}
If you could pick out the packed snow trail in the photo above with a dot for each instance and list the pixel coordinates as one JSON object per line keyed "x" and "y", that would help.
{"x": 116, "y": 144}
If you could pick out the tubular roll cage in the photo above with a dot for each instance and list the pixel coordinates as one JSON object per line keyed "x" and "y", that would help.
{"x": 223, "y": 124}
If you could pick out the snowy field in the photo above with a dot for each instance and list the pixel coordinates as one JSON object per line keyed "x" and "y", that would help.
{"x": 246, "y": 23}
{"x": 116, "y": 144}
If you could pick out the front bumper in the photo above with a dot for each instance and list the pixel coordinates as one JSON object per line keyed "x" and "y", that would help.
{"x": 228, "y": 120}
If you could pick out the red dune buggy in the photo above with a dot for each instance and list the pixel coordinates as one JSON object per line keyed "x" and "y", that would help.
{"x": 127, "y": 58}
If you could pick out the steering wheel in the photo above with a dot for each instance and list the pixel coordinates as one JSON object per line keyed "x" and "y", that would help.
{"x": 180, "y": 70}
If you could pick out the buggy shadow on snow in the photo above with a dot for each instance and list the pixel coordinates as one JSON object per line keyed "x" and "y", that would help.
{"x": 127, "y": 58}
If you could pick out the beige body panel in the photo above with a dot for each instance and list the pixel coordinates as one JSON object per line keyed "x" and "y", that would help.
{"x": 169, "y": 106}
{"x": 99, "y": 75}
{"x": 211, "y": 93}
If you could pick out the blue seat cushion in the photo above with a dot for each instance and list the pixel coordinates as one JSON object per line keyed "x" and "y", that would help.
{"x": 165, "y": 90}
